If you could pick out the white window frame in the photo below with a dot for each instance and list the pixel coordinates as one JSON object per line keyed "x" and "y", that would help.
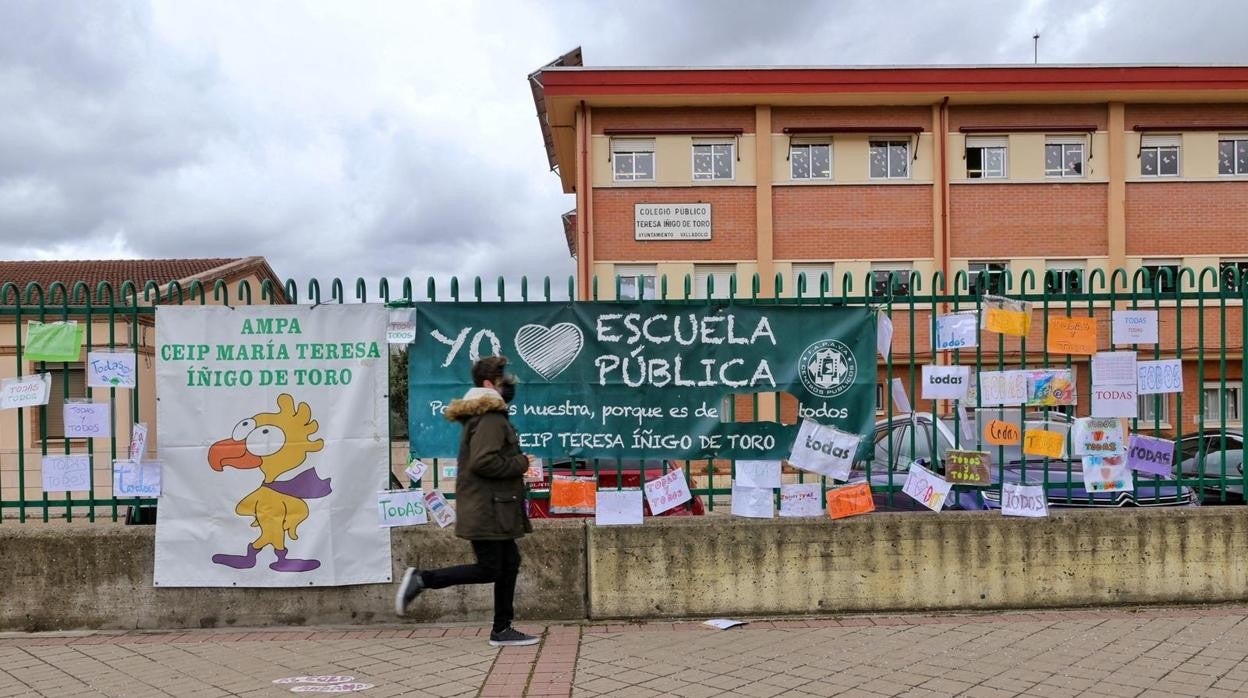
{"x": 888, "y": 162}
{"x": 904, "y": 271}
{"x": 879, "y": 398}
{"x": 814, "y": 270}
{"x": 1065, "y": 266}
{"x": 1237, "y": 139}
{"x": 630, "y": 147}
{"x": 647, "y": 274}
{"x": 723, "y": 279}
{"x": 988, "y": 143}
{"x": 1156, "y": 278}
{"x": 808, "y": 144}
{"x": 1159, "y": 143}
{"x": 972, "y": 276}
{"x": 713, "y": 143}
{"x": 1145, "y": 404}
{"x": 1065, "y": 141}
{"x": 1214, "y": 417}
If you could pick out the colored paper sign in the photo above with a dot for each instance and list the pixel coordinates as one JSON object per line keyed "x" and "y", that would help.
{"x": 618, "y": 508}
{"x": 1051, "y": 387}
{"x": 1071, "y": 335}
{"x": 1135, "y": 326}
{"x": 945, "y": 382}
{"x": 753, "y": 502}
{"x": 440, "y": 509}
{"x": 1093, "y": 436}
{"x": 536, "y": 472}
{"x": 132, "y": 479}
{"x": 999, "y": 433}
{"x": 401, "y": 328}
{"x": 571, "y": 494}
{"x": 27, "y": 391}
{"x": 972, "y": 468}
{"x": 1042, "y": 442}
{"x": 926, "y": 488}
{"x": 401, "y": 508}
{"x": 450, "y": 472}
{"x": 824, "y": 450}
{"x": 1114, "y": 368}
{"x": 107, "y": 369}
{"x": 1006, "y": 316}
{"x": 801, "y": 499}
{"x": 53, "y": 341}
{"x": 667, "y": 492}
{"x": 1114, "y": 401}
{"x": 87, "y": 420}
{"x": 1002, "y": 388}
{"x": 1106, "y": 473}
{"x": 1150, "y": 455}
{"x": 1155, "y": 377}
{"x": 901, "y": 402}
{"x": 850, "y": 500}
{"x": 758, "y": 473}
{"x": 138, "y": 442}
{"x": 956, "y": 331}
{"x": 416, "y": 469}
{"x": 883, "y": 334}
{"x": 70, "y": 473}
{"x": 1023, "y": 500}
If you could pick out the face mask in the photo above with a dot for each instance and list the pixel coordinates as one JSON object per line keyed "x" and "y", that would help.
{"x": 507, "y": 388}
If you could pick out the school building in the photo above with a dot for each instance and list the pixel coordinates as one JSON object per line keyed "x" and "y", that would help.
{"x": 859, "y": 172}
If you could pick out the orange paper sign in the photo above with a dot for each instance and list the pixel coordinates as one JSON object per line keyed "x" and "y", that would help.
{"x": 1041, "y": 442}
{"x": 1072, "y": 335}
{"x": 1007, "y": 321}
{"x": 850, "y": 500}
{"x": 999, "y": 433}
{"x": 573, "y": 495}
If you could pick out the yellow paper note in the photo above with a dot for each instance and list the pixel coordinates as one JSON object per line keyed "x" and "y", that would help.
{"x": 1041, "y": 442}
{"x": 1004, "y": 321}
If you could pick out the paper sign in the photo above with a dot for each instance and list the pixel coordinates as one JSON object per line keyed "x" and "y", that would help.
{"x": 800, "y": 500}
{"x": 1023, "y": 500}
{"x": 138, "y": 442}
{"x": 1093, "y": 436}
{"x": 1150, "y": 455}
{"x": 401, "y": 508}
{"x": 926, "y": 488}
{"x": 1114, "y": 401}
{"x": 753, "y": 502}
{"x": 824, "y": 450}
{"x": 723, "y": 623}
{"x": 1114, "y": 368}
{"x": 850, "y": 500}
{"x": 945, "y": 382}
{"x": 1071, "y": 335}
{"x": 1002, "y": 388}
{"x": 1135, "y": 326}
{"x": 53, "y": 341}
{"x": 450, "y": 471}
{"x": 87, "y": 420}
{"x": 132, "y": 479}
{"x": 1155, "y": 377}
{"x": 618, "y": 508}
{"x": 401, "y": 329}
{"x": 1005, "y": 321}
{"x": 667, "y": 492}
{"x": 883, "y": 334}
{"x": 972, "y": 468}
{"x": 956, "y": 331}
{"x": 1106, "y": 473}
{"x": 67, "y": 473}
{"x": 758, "y": 473}
{"x": 111, "y": 369}
{"x": 901, "y": 402}
{"x": 536, "y": 472}
{"x": 440, "y": 509}
{"x": 999, "y": 433}
{"x": 27, "y": 391}
{"x": 1042, "y": 442}
{"x": 1051, "y": 387}
{"x": 416, "y": 469}
{"x": 571, "y": 494}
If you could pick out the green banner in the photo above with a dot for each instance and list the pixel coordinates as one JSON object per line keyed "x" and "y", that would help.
{"x": 645, "y": 380}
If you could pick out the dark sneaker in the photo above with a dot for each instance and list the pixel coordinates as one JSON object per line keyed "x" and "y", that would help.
{"x": 409, "y": 589}
{"x": 512, "y": 638}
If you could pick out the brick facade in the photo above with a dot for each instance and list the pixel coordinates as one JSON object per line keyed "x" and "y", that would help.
{"x": 836, "y": 222}
{"x": 733, "y": 224}
{"x": 1026, "y": 220}
{"x": 1184, "y": 114}
{"x": 1024, "y": 115}
{"x": 1176, "y": 219}
{"x": 673, "y": 117}
{"x": 796, "y": 117}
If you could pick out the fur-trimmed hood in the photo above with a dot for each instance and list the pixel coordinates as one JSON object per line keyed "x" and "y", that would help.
{"x": 475, "y": 402}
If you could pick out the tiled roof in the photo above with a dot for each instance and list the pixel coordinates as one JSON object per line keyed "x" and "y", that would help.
{"x": 140, "y": 271}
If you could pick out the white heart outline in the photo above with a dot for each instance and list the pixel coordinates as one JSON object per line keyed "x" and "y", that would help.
{"x": 554, "y": 360}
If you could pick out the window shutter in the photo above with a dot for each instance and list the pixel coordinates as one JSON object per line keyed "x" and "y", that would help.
{"x": 987, "y": 141}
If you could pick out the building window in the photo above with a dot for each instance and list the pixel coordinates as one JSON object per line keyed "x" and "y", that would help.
{"x": 994, "y": 277}
{"x": 879, "y": 398}
{"x": 985, "y": 157}
{"x": 1063, "y": 156}
{"x": 1233, "y": 155}
{"x": 814, "y": 275}
{"x": 68, "y": 383}
{"x": 810, "y": 161}
{"x": 719, "y": 274}
{"x": 1159, "y": 156}
{"x": 1213, "y": 395}
{"x": 900, "y": 274}
{"x": 713, "y": 160}
{"x": 1162, "y": 275}
{"x": 1233, "y": 274}
{"x": 632, "y": 160}
{"x": 637, "y": 282}
{"x": 1153, "y": 409}
{"x": 1064, "y": 276}
{"x": 890, "y": 159}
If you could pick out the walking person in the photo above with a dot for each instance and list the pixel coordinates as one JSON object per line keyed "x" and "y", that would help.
{"x": 489, "y": 498}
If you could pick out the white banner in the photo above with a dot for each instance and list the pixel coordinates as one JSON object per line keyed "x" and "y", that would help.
{"x": 272, "y": 429}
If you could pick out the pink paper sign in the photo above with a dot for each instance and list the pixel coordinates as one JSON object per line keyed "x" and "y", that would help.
{"x": 1150, "y": 455}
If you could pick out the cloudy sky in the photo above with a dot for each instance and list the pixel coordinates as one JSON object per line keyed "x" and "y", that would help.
{"x": 399, "y": 138}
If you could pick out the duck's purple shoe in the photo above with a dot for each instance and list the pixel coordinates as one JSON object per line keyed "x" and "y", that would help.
{"x": 293, "y": 564}
{"x": 238, "y": 562}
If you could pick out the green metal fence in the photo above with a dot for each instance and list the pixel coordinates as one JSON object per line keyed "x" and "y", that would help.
{"x": 1205, "y": 324}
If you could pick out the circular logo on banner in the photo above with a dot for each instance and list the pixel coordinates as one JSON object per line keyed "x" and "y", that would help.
{"x": 827, "y": 368}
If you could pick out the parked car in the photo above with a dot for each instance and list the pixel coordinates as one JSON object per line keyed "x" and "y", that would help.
{"x": 1214, "y": 452}
{"x": 627, "y": 473}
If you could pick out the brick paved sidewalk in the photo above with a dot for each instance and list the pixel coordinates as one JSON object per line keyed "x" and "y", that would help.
{"x": 1122, "y": 652}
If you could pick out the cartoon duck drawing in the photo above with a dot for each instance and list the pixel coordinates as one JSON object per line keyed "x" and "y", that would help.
{"x": 276, "y": 443}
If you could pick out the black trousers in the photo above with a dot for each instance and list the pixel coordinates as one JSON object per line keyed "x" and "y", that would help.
{"x": 498, "y": 562}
